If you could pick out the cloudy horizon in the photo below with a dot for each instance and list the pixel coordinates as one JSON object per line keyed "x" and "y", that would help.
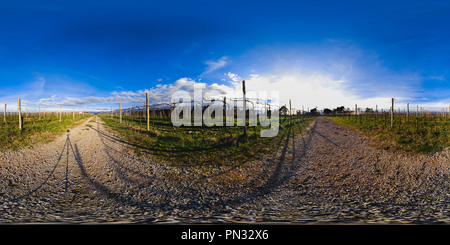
{"x": 93, "y": 55}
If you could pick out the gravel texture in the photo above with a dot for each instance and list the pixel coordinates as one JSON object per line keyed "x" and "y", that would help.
{"x": 329, "y": 174}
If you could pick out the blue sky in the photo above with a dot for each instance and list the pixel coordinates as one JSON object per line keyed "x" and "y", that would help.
{"x": 93, "y": 54}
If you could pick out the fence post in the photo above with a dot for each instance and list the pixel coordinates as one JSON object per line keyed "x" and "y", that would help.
{"x": 407, "y": 113}
{"x": 148, "y": 111}
{"x": 244, "y": 107}
{"x": 376, "y": 112}
{"x": 120, "y": 112}
{"x": 20, "y": 114}
{"x": 224, "y": 109}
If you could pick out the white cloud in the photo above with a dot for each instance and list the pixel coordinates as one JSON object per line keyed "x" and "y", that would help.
{"x": 310, "y": 89}
{"x": 326, "y": 75}
{"x": 304, "y": 87}
{"x": 233, "y": 77}
{"x": 213, "y": 65}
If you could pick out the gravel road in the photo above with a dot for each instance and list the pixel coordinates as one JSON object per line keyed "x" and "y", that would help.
{"x": 329, "y": 174}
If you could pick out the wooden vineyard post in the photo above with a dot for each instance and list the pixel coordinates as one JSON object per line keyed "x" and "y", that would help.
{"x": 407, "y": 112}
{"x": 392, "y": 113}
{"x": 60, "y": 113}
{"x": 356, "y": 113}
{"x": 39, "y": 117}
{"x": 148, "y": 111}
{"x": 224, "y": 109}
{"x": 244, "y": 107}
{"x": 120, "y": 112}
{"x": 20, "y": 114}
{"x": 376, "y": 112}
{"x": 73, "y": 113}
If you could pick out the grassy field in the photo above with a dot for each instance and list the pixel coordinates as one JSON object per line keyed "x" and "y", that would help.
{"x": 34, "y": 129}
{"x": 202, "y": 145}
{"x": 426, "y": 133}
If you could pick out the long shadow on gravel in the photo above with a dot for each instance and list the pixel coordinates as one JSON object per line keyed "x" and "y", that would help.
{"x": 283, "y": 170}
{"x": 104, "y": 190}
{"x": 124, "y": 172}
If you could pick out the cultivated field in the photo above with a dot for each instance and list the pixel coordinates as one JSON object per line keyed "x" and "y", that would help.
{"x": 200, "y": 145}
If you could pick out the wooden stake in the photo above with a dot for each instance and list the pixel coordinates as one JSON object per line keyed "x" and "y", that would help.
{"x": 120, "y": 112}
{"x": 148, "y": 111}
{"x": 20, "y": 114}
{"x": 244, "y": 107}
{"x": 376, "y": 112}
{"x": 225, "y": 109}
{"x": 60, "y": 113}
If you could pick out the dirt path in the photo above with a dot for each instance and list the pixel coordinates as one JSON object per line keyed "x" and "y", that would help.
{"x": 331, "y": 174}
{"x": 88, "y": 176}
{"x": 342, "y": 178}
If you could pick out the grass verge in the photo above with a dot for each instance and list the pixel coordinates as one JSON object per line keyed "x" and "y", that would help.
{"x": 426, "y": 134}
{"x": 35, "y": 130}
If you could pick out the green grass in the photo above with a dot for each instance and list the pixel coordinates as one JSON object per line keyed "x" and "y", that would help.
{"x": 429, "y": 134}
{"x": 34, "y": 130}
{"x": 201, "y": 145}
